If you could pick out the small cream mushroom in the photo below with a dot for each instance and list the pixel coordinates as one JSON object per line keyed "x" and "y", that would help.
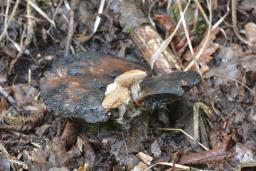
{"x": 128, "y": 78}
{"x": 118, "y": 96}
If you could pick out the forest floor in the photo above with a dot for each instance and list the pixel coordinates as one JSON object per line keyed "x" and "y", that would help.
{"x": 211, "y": 127}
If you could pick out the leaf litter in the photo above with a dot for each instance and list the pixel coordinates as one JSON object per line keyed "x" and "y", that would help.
{"x": 36, "y": 33}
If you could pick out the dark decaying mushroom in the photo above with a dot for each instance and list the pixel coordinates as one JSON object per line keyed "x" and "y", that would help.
{"x": 76, "y": 84}
{"x": 166, "y": 89}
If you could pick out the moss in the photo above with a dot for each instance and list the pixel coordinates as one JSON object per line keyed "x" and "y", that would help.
{"x": 174, "y": 10}
{"x": 44, "y": 4}
{"x": 128, "y": 30}
{"x": 201, "y": 26}
{"x": 105, "y": 126}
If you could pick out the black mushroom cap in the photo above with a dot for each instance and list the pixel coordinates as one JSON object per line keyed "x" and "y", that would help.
{"x": 166, "y": 88}
{"x": 76, "y": 84}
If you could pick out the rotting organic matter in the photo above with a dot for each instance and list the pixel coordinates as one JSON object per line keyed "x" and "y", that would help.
{"x": 76, "y": 84}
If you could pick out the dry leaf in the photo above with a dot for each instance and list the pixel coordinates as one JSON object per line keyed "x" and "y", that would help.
{"x": 248, "y": 5}
{"x": 145, "y": 158}
{"x": 205, "y": 57}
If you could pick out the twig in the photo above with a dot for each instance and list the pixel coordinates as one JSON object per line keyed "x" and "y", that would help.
{"x": 55, "y": 14}
{"x": 179, "y": 166}
{"x": 70, "y": 29}
{"x": 30, "y": 25}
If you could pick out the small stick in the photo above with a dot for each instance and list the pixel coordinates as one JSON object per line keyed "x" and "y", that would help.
{"x": 70, "y": 29}
{"x": 146, "y": 38}
{"x": 30, "y": 25}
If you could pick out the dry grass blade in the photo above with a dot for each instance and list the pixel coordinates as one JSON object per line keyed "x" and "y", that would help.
{"x": 198, "y": 55}
{"x": 163, "y": 46}
{"x": 199, "y": 6}
{"x": 184, "y": 132}
{"x": 233, "y": 79}
{"x": 185, "y": 27}
{"x": 7, "y": 23}
{"x": 166, "y": 42}
{"x": 42, "y": 13}
{"x": 98, "y": 18}
{"x": 6, "y": 14}
{"x": 234, "y": 21}
{"x": 187, "y": 34}
{"x": 206, "y": 39}
{"x": 149, "y": 16}
{"x": 67, "y": 5}
{"x": 18, "y": 48}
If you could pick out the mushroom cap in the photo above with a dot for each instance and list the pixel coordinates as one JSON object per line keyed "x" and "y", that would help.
{"x": 166, "y": 88}
{"x": 76, "y": 84}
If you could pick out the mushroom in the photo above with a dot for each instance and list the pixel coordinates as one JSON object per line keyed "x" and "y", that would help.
{"x": 89, "y": 85}
{"x": 148, "y": 93}
{"x": 76, "y": 84}
{"x": 164, "y": 89}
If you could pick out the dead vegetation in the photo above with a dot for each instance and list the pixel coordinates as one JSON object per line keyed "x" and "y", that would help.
{"x": 212, "y": 127}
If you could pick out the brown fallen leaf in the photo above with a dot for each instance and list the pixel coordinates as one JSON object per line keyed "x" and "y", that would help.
{"x": 232, "y": 60}
{"x": 26, "y": 97}
{"x": 69, "y": 134}
{"x": 53, "y": 154}
{"x": 216, "y": 155}
{"x": 179, "y": 42}
{"x": 248, "y": 5}
{"x": 205, "y": 57}
{"x": 166, "y": 23}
